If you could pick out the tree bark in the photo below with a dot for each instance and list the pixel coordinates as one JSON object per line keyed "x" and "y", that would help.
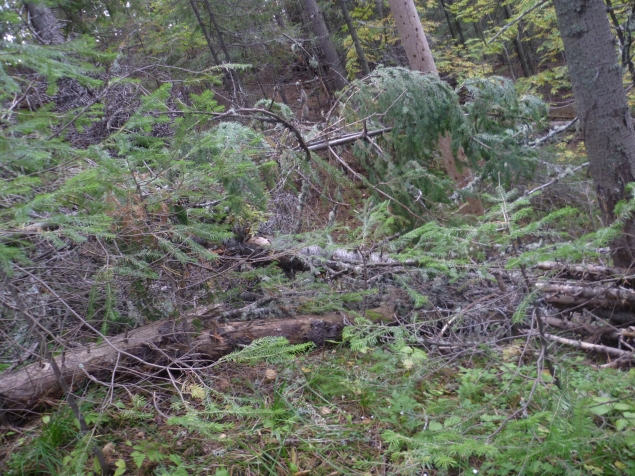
{"x": 353, "y": 32}
{"x": 602, "y": 107}
{"x": 45, "y": 24}
{"x": 413, "y": 38}
{"x": 324, "y": 37}
{"x": 518, "y": 46}
{"x": 25, "y": 388}
{"x": 588, "y": 296}
{"x": 420, "y": 58}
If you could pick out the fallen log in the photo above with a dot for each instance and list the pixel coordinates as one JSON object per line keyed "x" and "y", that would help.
{"x": 604, "y": 333}
{"x": 587, "y": 271}
{"x": 143, "y": 347}
{"x": 571, "y": 295}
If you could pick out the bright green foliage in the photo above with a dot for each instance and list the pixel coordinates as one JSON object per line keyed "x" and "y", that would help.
{"x": 149, "y": 197}
{"x": 43, "y": 453}
{"x": 489, "y": 413}
{"x": 492, "y": 127}
{"x": 419, "y": 108}
{"x": 268, "y": 349}
{"x": 502, "y": 125}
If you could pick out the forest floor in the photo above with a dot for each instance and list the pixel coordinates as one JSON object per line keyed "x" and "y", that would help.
{"x": 451, "y": 379}
{"x": 384, "y": 400}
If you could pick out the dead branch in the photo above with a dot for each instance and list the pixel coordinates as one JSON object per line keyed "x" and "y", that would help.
{"x": 602, "y": 349}
{"x": 583, "y": 328}
{"x": 346, "y": 139}
{"x": 564, "y": 174}
{"x": 553, "y": 133}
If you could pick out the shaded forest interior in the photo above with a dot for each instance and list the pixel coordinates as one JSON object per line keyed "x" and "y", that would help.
{"x": 301, "y": 237}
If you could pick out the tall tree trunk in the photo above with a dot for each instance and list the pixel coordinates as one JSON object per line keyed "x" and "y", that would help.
{"x": 453, "y": 23}
{"x": 625, "y": 41}
{"x": 227, "y": 82}
{"x": 238, "y": 90}
{"x": 208, "y": 39}
{"x": 353, "y": 33}
{"x": 322, "y": 33}
{"x": 448, "y": 19}
{"x": 520, "y": 50}
{"x": 420, "y": 58}
{"x": 45, "y": 24}
{"x": 412, "y": 36}
{"x": 212, "y": 50}
{"x": 602, "y": 107}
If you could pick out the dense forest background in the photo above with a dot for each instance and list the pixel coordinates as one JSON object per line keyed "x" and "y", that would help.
{"x": 317, "y": 237}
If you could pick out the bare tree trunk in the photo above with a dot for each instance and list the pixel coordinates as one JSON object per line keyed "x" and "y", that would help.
{"x": 453, "y": 23}
{"x": 353, "y": 33}
{"x": 226, "y": 80}
{"x": 412, "y": 36}
{"x": 520, "y": 50}
{"x": 236, "y": 83}
{"x": 448, "y": 19}
{"x": 322, "y": 33}
{"x": 205, "y": 33}
{"x": 603, "y": 110}
{"x": 420, "y": 58}
{"x": 45, "y": 24}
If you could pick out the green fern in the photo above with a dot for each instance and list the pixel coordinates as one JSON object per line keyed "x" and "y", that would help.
{"x": 268, "y": 349}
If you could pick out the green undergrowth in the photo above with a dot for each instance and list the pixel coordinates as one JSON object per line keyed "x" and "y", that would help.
{"x": 387, "y": 409}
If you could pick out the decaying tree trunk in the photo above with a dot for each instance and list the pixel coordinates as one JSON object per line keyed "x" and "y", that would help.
{"x": 148, "y": 347}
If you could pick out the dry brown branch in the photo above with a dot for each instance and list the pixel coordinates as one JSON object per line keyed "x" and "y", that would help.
{"x": 582, "y": 328}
